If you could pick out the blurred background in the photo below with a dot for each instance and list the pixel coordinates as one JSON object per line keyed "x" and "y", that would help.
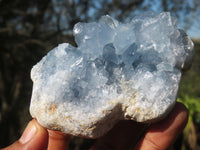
{"x": 30, "y": 28}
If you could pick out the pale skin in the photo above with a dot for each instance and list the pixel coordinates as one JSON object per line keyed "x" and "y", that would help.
{"x": 159, "y": 136}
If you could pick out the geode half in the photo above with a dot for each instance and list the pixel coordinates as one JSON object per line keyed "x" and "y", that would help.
{"x": 118, "y": 71}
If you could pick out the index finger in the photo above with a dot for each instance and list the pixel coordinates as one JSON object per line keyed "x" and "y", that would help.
{"x": 58, "y": 140}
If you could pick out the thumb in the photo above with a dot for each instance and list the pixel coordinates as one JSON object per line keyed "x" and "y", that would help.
{"x": 35, "y": 137}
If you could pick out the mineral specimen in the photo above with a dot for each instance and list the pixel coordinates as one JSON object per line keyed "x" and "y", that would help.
{"x": 118, "y": 71}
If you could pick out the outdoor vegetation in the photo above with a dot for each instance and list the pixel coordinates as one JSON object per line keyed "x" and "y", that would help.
{"x": 30, "y": 28}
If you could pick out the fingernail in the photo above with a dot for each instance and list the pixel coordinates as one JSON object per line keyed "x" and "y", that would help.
{"x": 28, "y": 134}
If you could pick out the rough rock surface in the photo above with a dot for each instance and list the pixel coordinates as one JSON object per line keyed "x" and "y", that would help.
{"x": 118, "y": 71}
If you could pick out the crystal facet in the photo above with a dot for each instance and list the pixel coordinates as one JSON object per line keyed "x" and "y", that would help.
{"x": 118, "y": 71}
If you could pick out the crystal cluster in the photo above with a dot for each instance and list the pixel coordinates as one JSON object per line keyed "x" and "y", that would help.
{"x": 118, "y": 71}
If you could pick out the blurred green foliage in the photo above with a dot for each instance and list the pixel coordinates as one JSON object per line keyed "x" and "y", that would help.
{"x": 189, "y": 93}
{"x": 193, "y": 105}
{"x": 190, "y": 84}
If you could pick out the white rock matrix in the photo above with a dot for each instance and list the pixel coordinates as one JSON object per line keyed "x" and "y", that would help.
{"x": 118, "y": 71}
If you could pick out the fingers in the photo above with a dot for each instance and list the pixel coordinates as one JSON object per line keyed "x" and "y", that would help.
{"x": 159, "y": 136}
{"x": 58, "y": 140}
{"x": 120, "y": 137}
{"x": 162, "y": 135}
{"x": 35, "y": 137}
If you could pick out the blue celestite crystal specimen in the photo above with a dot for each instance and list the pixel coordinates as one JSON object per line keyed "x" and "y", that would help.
{"x": 118, "y": 71}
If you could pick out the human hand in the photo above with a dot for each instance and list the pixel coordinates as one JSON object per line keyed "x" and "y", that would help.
{"x": 123, "y": 136}
{"x": 36, "y": 137}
